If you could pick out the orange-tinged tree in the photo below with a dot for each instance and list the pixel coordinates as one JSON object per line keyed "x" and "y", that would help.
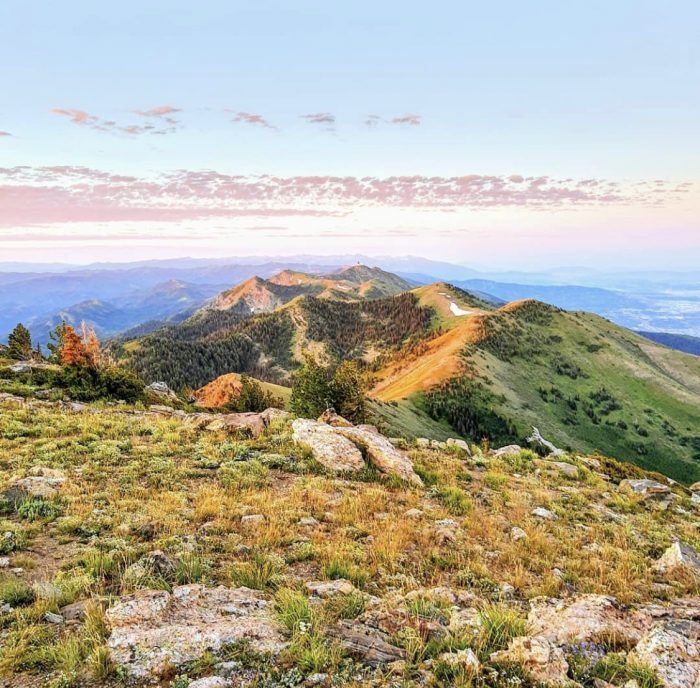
{"x": 93, "y": 353}
{"x": 73, "y": 349}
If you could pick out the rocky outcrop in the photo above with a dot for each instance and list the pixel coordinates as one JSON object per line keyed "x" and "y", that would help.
{"x": 369, "y": 645}
{"x": 330, "y": 449}
{"x": 337, "y": 447}
{"x": 650, "y": 491}
{"x": 586, "y": 618}
{"x": 153, "y": 630}
{"x": 672, "y": 649}
{"x": 540, "y": 658}
{"x": 679, "y": 554}
{"x": 382, "y": 454}
{"x": 42, "y": 482}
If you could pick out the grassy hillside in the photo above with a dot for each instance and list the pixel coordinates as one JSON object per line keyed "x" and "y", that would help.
{"x": 490, "y": 373}
{"x": 584, "y": 382}
{"x": 144, "y": 504}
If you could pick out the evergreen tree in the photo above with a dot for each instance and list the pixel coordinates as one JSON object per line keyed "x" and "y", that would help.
{"x": 311, "y": 393}
{"x": 55, "y": 343}
{"x": 347, "y": 392}
{"x": 20, "y": 343}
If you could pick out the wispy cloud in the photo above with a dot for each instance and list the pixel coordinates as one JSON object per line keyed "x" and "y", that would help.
{"x": 76, "y": 194}
{"x": 159, "y": 121}
{"x": 408, "y": 119}
{"x": 323, "y": 119}
{"x": 251, "y": 118}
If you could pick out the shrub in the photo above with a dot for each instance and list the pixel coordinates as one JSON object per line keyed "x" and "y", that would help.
{"x": 35, "y": 508}
{"x": 16, "y": 593}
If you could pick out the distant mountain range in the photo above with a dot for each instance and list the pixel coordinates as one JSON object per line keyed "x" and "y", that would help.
{"x": 680, "y": 342}
{"x": 105, "y": 294}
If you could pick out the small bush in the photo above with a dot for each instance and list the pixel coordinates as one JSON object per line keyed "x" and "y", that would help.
{"x": 36, "y": 508}
{"x": 17, "y": 593}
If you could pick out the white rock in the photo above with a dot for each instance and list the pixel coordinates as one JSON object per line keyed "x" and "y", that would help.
{"x": 679, "y": 554}
{"x": 546, "y": 514}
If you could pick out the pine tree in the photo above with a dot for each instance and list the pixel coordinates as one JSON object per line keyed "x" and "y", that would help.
{"x": 55, "y": 343}
{"x": 20, "y": 343}
{"x": 72, "y": 350}
{"x": 311, "y": 394}
{"x": 347, "y": 392}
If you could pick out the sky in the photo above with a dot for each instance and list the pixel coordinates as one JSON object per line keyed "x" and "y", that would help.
{"x": 502, "y": 135}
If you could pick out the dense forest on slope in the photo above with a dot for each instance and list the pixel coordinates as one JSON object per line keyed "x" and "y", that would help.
{"x": 268, "y": 346}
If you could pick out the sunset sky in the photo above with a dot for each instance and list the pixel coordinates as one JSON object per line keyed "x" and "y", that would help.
{"x": 507, "y": 134}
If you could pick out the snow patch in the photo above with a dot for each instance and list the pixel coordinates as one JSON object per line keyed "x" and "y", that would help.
{"x": 456, "y": 310}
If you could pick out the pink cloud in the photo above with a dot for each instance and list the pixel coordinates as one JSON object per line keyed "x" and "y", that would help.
{"x": 250, "y": 118}
{"x": 159, "y": 111}
{"x": 47, "y": 195}
{"x": 410, "y": 120}
{"x": 160, "y": 121}
{"x": 5, "y": 133}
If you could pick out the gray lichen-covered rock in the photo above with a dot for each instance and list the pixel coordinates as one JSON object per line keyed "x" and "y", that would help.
{"x": 153, "y": 630}
{"x": 679, "y": 554}
{"x": 382, "y": 454}
{"x": 672, "y": 649}
{"x": 539, "y": 657}
{"x": 328, "y": 447}
{"x": 584, "y": 618}
{"x": 367, "y": 644}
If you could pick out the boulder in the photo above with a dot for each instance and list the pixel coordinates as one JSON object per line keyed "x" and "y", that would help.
{"x": 461, "y": 660}
{"x": 672, "y": 649}
{"x": 42, "y": 482}
{"x": 330, "y": 417}
{"x": 505, "y": 451}
{"x": 11, "y": 400}
{"x": 567, "y": 469}
{"x": 328, "y": 447}
{"x": 251, "y": 424}
{"x": 162, "y": 390}
{"x": 382, "y": 454}
{"x": 679, "y": 554}
{"x": 210, "y": 682}
{"x": 154, "y": 630}
{"x": 537, "y": 439}
{"x": 460, "y": 444}
{"x": 586, "y": 618}
{"x": 544, "y": 514}
{"x": 366, "y": 644}
{"x": 20, "y": 367}
{"x": 541, "y": 659}
{"x": 331, "y": 588}
{"x": 649, "y": 490}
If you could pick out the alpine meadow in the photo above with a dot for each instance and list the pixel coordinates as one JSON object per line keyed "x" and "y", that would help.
{"x": 349, "y": 346}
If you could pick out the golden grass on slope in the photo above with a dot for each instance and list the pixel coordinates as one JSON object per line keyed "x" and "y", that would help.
{"x": 220, "y": 391}
{"x": 439, "y": 362}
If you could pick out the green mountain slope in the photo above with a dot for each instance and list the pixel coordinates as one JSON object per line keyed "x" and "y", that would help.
{"x": 585, "y": 383}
